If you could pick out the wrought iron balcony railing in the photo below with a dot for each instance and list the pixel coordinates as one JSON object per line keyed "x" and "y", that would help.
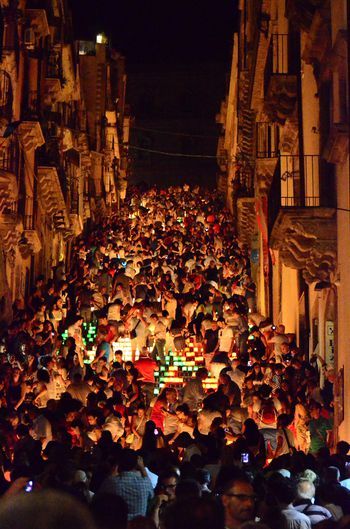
{"x": 301, "y": 182}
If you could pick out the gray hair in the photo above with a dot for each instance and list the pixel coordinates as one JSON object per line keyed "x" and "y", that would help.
{"x": 305, "y": 489}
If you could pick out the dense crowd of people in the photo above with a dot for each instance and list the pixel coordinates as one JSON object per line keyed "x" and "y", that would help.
{"x": 255, "y": 451}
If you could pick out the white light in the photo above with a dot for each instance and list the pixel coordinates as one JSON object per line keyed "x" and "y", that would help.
{"x": 99, "y": 39}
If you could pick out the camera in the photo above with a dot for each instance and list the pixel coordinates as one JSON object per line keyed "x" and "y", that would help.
{"x": 29, "y": 486}
{"x": 245, "y": 458}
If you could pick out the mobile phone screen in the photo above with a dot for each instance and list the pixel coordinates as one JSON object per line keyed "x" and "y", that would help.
{"x": 29, "y": 486}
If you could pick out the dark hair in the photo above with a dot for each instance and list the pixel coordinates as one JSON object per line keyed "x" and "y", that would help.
{"x": 128, "y": 460}
{"x": 194, "y": 513}
{"x": 282, "y": 489}
{"x": 187, "y": 488}
{"x": 110, "y": 511}
{"x": 228, "y": 476}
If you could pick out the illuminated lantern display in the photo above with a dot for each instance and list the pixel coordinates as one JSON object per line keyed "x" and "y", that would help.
{"x": 124, "y": 344}
{"x": 180, "y": 365}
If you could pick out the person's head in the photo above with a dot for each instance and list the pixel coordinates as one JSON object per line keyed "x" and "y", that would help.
{"x": 194, "y": 513}
{"x": 285, "y": 348}
{"x": 238, "y": 499}
{"x": 332, "y": 475}
{"x": 342, "y": 448}
{"x": 128, "y": 460}
{"x": 188, "y": 488}
{"x": 249, "y": 426}
{"x": 131, "y": 375}
{"x": 167, "y": 483}
{"x": 109, "y": 511}
{"x": 92, "y": 417}
{"x": 43, "y": 510}
{"x": 118, "y": 355}
{"x": 315, "y": 410}
{"x": 249, "y": 383}
{"x": 282, "y": 489}
{"x": 182, "y": 412}
{"x": 141, "y": 410}
{"x": 283, "y": 420}
{"x": 235, "y": 362}
{"x": 305, "y": 490}
{"x": 171, "y": 395}
{"x": 202, "y": 373}
{"x": 144, "y": 352}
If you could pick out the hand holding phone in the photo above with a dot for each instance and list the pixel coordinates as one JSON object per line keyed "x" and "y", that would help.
{"x": 29, "y": 486}
{"x": 245, "y": 458}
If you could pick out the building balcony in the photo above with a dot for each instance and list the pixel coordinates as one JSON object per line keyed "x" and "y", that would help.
{"x": 51, "y": 195}
{"x": 39, "y": 26}
{"x": 302, "y": 215}
{"x": 53, "y": 77}
{"x": 31, "y": 135}
{"x": 280, "y": 80}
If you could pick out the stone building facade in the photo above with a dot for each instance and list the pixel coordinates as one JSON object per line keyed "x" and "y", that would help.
{"x": 63, "y": 153}
{"x": 284, "y": 160}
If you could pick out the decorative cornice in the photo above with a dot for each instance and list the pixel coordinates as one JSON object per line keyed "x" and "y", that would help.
{"x": 29, "y": 243}
{"x": 281, "y": 97}
{"x": 265, "y": 169}
{"x": 8, "y": 190}
{"x": 307, "y": 240}
{"x": 246, "y": 221}
{"x": 51, "y": 195}
{"x": 31, "y": 135}
{"x": 38, "y": 21}
{"x": 337, "y": 147}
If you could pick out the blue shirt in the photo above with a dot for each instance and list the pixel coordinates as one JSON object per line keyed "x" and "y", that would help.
{"x": 106, "y": 348}
{"x": 136, "y": 490}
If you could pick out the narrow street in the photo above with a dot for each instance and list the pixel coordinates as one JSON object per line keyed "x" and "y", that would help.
{"x": 174, "y": 264}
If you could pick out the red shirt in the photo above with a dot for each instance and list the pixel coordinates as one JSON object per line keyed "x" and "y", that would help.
{"x": 146, "y": 367}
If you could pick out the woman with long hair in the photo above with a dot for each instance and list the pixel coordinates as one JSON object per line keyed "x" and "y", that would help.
{"x": 255, "y": 440}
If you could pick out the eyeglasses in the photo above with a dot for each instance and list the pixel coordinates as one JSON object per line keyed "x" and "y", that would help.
{"x": 242, "y": 497}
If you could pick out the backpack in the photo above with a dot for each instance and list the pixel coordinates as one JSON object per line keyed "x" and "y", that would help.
{"x": 267, "y": 412}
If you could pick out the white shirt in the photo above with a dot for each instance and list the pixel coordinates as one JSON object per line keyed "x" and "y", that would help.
{"x": 296, "y": 519}
{"x": 237, "y": 376}
{"x": 225, "y": 339}
{"x": 205, "y": 419}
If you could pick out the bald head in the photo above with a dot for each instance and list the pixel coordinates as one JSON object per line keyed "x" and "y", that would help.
{"x": 305, "y": 490}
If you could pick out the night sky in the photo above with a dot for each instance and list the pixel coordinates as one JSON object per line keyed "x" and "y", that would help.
{"x": 177, "y": 58}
